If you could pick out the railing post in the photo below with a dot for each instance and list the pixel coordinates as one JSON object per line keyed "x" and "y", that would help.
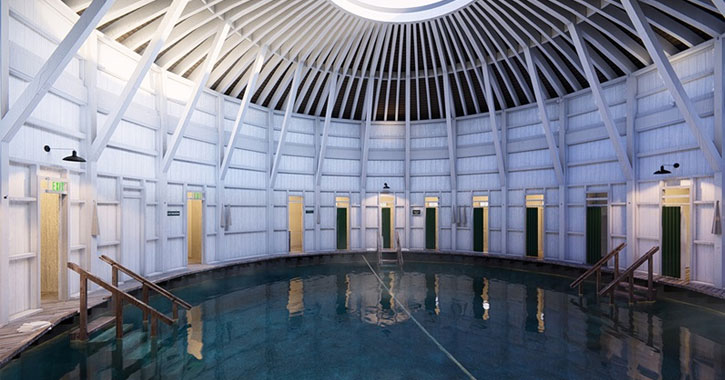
{"x": 599, "y": 278}
{"x": 145, "y": 296}
{"x": 616, "y": 264}
{"x": 154, "y": 325}
{"x": 631, "y": 287}
{"x": 114, "y": 276}
{"x": 650, "y": 295}
{"x": 175, "y": 310}
{"x": 118, "y": 307}
{"x": 83, "y": 309}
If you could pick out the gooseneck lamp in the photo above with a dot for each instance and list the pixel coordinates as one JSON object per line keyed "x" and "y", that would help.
{"x": 665, "y": 171}
{"x": 74, "y": 157}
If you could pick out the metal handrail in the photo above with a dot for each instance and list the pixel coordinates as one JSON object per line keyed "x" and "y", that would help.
{"x": 630, "y": 272}
{"x": 596, "y": 268}
{"x": 118, "y": 296}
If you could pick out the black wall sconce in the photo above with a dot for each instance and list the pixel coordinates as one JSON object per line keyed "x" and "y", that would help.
{"x": 386, "y": 188}
{"x": 74, "y": 157}
{"x": 665, "y": 171}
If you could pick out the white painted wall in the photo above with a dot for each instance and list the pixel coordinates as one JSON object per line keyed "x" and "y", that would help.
{"x": 79, "y": 101}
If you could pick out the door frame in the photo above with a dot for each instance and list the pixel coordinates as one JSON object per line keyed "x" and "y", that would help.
{"x": 432, "y": 202}
{"x": 485, "y": 206}
{"x": 686, "y": 216}
{"x": 537, "y": 201}
{"x": 381, "y": 205}
{"x": 63, "y": 237}
{"x": 345, "y": 201}
{"x": 302, "y": 218}
{"x": 142, "y": 226}
{"x": 203, "y": 221}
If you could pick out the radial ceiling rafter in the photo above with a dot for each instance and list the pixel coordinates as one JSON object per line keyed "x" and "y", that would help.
{"x": 456, "y": 38}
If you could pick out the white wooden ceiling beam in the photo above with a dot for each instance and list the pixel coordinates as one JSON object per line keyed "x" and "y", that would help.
{"x": 601, "y": 103}
{"x": 285, "y": 124}
{"x": 450, "y": 136}
{"x": 134, "y": 82}
{"x": 332, "y": 96}
{"x": 673, "y": 83}
{"x": 51, "y": 69}
{"x": 541, "y": 105}
{"x": 190, "y": 106}
{"x": 242, "y": 113}
{"x": 366, "y": 140}
{"x": 500, "y": 160}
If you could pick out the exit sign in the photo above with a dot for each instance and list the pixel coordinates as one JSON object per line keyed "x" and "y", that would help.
{"x": 58, "y": 187}
{"x": 196, "y": 195}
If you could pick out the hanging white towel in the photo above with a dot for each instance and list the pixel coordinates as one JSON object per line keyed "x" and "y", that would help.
{"x": 226, "y": 217}
{"x": 95, "y": 228}
{"x": 716, "y": 223}
{"x": 464, "y": 215}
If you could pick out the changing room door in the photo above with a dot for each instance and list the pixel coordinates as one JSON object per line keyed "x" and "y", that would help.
{"x": 341, "y": 228}
{"x": 478, "y": 229}
{"x": 671, "y": 241}
{"x": 532, "y": 231}
{"x": 430, "y": 228}
{"x": 386, "y": 222}
{"x": 594, "y": 234}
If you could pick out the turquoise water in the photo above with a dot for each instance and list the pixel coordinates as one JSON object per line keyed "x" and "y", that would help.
{"x": 445, "y": 321}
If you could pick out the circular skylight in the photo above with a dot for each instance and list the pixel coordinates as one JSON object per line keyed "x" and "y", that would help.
{"x": 401, "y": 10}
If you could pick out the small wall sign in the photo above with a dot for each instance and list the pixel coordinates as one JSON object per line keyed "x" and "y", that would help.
{"x": 173, "y": 213}
{"x": 195, "y": 195}
{"x": 56, "y": 187}
{"x": 310, "y": 211}
{"x": 416, "y": 212}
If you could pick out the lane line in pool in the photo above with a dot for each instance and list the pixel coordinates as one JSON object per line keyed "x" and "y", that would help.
{"x": 402, "y": 306}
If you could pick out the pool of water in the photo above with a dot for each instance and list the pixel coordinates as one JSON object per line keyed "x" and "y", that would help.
{"x": 431, "y": 320}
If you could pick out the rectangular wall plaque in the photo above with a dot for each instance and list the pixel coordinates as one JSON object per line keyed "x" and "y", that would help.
{"x": 416, "y": 212}
{"x": 173, "y": 213}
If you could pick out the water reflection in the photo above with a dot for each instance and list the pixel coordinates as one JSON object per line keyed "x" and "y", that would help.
{"x": 332, "y": 322}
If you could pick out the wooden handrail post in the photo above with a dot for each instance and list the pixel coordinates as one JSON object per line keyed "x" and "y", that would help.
{"x": 650, "y": 293}
{"x": 114, "y": 276}
{"x": 154, "y": 326}
{"x": 118, "y": 308}
{"x": 145, "y": 298}
{"x": 599, "y": 278}
{"x": 631, "y": 287}
{"x": 83, "y": 309}
{"x": 616, "y": 265}
{"x": 175, "y": 311}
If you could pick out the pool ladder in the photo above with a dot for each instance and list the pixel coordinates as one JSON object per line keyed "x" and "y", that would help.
{"x": 150, "y": 314}
{"x": 622, "y": 283}
{"x": 384, "y": 254}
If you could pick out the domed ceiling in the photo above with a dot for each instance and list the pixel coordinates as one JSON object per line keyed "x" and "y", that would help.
{"x": 394, "y": 42}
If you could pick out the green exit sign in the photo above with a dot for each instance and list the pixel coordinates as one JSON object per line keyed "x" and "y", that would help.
{"x": 196, "y": 195}
{"x": 57, "y": 186}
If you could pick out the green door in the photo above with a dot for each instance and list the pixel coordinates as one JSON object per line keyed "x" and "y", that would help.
{"x": 594, "y": 234}
{"x": 386, "y": 232}
{"x": 478, "y": 229}
{"x": 342, "y": 228}
{"x": 532, "y": 231}
{"x": 671, "y": 241}
{"x": 430, "y": 228}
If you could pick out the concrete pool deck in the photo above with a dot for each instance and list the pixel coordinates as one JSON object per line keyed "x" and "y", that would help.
{"x": 13, "y": 343}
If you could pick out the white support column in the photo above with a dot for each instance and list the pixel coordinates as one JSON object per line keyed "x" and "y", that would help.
{"x": 196, "y": 92}
{"x": 494, "y": 126}
{"x": 4, "y": 166}
{"x": 563, "y": 126}
{"x": 269, "y": 194}
{"x": 601, "y": 103}
{"x": 162, "y": 194}
{"x": 239, "y": 121}
{"x": 285, "y": 124}
{"x": 369, "y": 109}
{"x": 631, "y": 221}
{"x": 672, "y": 83}
{"x": 450, "y": 133}
{"x": 504, "y": 189}
{"x": 719, "y": 126}
{"x": 89, "y": 181}
{"x": 52, "y": 68}
{"x": 407, "y": 137}
{"x": 221, "y": 190}
{"x": 316, "y": 187}
{"x": 134, "y": 82}
{"x": 540, "y": 102}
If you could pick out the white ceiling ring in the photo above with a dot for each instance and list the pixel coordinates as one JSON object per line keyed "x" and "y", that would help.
{"x": 401, "y": 11}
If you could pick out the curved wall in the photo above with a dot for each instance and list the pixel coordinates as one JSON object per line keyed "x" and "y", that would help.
{"x": 134, "y": 197}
